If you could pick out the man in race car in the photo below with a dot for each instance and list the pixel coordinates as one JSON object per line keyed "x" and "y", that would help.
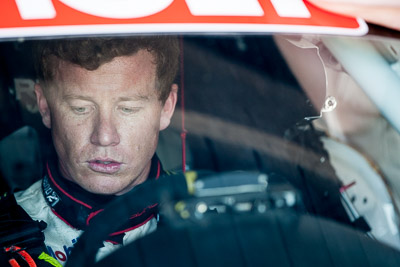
{"x": 105, "y": 101}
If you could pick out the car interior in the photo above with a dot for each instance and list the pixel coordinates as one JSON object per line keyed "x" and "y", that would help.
{"x": 246, "y": 110}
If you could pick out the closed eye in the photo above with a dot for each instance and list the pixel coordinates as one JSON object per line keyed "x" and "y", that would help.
{"x": 80, "y": 110}
{"x": 129, "y": 110}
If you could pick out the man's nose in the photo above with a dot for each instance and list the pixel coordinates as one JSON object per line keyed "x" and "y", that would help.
{"x": 105, "y": 132}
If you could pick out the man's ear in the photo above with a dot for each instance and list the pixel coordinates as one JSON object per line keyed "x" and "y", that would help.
{"x": 169, "y": 107}
{"x": 43, "y": 106}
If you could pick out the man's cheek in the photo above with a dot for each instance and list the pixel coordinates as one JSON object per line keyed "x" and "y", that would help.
{"x": 71, "y": 142}
{"x": 76, "y": 131}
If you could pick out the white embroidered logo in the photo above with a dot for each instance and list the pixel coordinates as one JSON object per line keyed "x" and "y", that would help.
{"x": 51, "y": 196}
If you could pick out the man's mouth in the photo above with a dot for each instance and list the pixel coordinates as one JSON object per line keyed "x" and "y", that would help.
{"x": 107, "y": 166}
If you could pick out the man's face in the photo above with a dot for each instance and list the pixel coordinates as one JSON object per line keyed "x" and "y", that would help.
{"x": 105, "y": 123}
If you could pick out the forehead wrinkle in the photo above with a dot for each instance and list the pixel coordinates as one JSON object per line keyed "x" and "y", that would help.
{"x": 73, "y": 76}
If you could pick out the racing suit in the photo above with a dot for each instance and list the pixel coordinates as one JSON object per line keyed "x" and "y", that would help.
{"x": 68, "y": 209}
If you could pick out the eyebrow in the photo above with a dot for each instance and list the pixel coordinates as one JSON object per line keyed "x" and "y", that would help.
{"x": 120, "y": 99}
{"x": 134, "y": 98}
{"x": 82, "y": 97}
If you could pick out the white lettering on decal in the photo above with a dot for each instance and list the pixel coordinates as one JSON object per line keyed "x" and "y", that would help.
{"x": 119, "y": 9}
{"x": 291, "y": 8}
{"x": 225, "y": 7}
{"x": 128, "y": 9}
{"x": 36, "y": 9}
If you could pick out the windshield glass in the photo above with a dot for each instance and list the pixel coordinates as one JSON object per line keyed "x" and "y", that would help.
{"x": 316, "y": 114}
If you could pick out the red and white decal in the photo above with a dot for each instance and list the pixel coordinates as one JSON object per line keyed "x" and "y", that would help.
{"x": 28, "y": 18}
